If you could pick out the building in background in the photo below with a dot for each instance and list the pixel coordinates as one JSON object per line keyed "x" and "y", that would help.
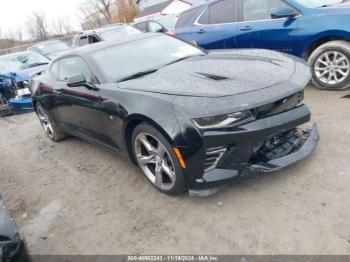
{"x": 171, "y": 7}
{"x": 143, "y": 4}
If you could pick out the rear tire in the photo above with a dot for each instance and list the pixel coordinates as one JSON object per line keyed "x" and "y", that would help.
{"x": 48, "y": 124}
{"x": 330, "y": 65}
{"x": 156, "y": 159}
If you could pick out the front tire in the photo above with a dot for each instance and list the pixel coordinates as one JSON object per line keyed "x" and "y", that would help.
{"x": 157, "y": 160}
{"x": 331, "y": 65}
{"x": 48, "y": 124}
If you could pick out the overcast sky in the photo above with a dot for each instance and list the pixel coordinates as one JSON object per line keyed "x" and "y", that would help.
{"x": 14, "y": 13}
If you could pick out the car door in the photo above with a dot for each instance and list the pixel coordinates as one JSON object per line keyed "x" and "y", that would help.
{"x": 258, "y": 30}
{"x": 78, "y": 108}
{"x": 217, "y": 26}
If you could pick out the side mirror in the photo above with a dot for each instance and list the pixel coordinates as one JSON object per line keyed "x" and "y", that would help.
{"x": 75, "y": 81}
{"x": 285, "y": 12}
{"x": 160, "y": 30}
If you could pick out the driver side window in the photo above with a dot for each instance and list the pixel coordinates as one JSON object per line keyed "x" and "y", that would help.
{"x": 255, "y": 10}
{"x": 72, "y": 66}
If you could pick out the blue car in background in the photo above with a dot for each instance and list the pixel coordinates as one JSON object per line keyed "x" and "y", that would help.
{"x": 16, "y": 70}
{"x": 315, "y": 30}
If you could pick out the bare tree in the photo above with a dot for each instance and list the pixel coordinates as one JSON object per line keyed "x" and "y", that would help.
{"x": 57, "y": 26}
{"x": 19, "y": 35}
{"x": 90, "y": 9}
{"x": 62, "y": 26}
{"x": 127, "y": 10}
{"x": 37, "y": 26}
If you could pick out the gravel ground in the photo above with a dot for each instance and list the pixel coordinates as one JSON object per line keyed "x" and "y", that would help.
{"x": 74, "y": 198}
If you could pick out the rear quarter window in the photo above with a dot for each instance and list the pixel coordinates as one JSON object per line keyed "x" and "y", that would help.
{"x": 186, "y": 17}
{"x": 219, "y": 13}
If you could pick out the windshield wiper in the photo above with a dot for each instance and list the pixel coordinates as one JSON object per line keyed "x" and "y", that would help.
{"x": 329, "y": 5}
{"x": 178, "y": 60}
{"x": 137, "y": 75}
{"x": 37, "y": 64}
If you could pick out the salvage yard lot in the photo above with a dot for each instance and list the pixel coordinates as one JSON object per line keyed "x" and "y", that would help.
{"x": 74, "y": 198}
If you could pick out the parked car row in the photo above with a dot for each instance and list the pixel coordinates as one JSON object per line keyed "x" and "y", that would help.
{"x": 17, "y": 70}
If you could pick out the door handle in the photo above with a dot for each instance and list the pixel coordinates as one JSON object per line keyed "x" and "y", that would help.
{"x": 246, "y": 28}
{"x": 201, "y": 31}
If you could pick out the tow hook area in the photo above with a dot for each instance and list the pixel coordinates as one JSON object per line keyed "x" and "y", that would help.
{"x": 282, "y": 144}
{"x": 284, "y": 150}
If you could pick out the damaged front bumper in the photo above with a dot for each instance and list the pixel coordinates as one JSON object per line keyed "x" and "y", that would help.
{"x": 263, "y": 146}
{"x": 304, "y": 142}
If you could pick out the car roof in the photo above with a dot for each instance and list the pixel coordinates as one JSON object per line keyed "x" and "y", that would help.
{"x": 101, "y": 29}
{"x": 18, "y": 53}
{"x": 47, "y": 42}
{"x": 105, "y": 44}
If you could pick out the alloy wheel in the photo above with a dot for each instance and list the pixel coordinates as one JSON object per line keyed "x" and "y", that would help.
{"x": 332, "y": 67}
{"x": 154, "y": 160}
{"x": 45, "y": 122}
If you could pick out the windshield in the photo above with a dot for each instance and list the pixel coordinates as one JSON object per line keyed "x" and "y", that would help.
{"x": 142, "y": 55}
{"x": 168, "y": 21}
{"x": 118, "y": 32}
{"x": 52, "y": 47}
{"x": 19, "y": 61}
{"x": 318, "y": 3}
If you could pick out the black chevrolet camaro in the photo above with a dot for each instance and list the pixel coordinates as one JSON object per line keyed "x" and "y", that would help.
{"x": 190, "y": 119}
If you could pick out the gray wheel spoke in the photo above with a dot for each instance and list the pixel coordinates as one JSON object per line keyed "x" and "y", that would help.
{"x": 145, "y": 160}
{"x": 323, "y": 73}
{"x": 168, "y": 172}
{"x": 327, "y": 58}
{"x": 341, "y": 72}
{"x": 42, "y": 119}
{"x": 49, "y": 129}
{"x": 323, "y": 62}
{"x": 329, "y": 77}
{"x": 158, "y": 177}
{"x": 147, "y": 144}
{"x": 161, "y": 150}
{"x": 336, "y": 77}
{"x": 343, "y": 58}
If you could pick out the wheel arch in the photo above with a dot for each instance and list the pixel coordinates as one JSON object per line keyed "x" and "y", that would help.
{"x": 323, "y": 40}
{"x": 35, "y": 103}
{"x": 131, "y": 123}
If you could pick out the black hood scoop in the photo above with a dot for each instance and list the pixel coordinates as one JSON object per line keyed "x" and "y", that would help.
{"x": 211, "y": 76}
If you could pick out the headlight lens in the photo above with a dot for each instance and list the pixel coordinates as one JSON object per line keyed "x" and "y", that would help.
{"x": 223, "y": 120}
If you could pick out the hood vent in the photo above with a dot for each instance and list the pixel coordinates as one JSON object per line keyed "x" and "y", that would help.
{"x": 214, "y": 77}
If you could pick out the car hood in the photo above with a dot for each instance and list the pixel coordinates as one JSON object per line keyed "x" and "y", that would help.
{"x": 26, "y": 74}
{"x": 218, "y": 74}
{"x": 342, "y": 8}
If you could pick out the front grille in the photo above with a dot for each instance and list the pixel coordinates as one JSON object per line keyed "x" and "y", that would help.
{"x": 213, "y": 157}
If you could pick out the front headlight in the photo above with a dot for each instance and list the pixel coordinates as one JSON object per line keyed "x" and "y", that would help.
{"x": 223, "y": 120}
